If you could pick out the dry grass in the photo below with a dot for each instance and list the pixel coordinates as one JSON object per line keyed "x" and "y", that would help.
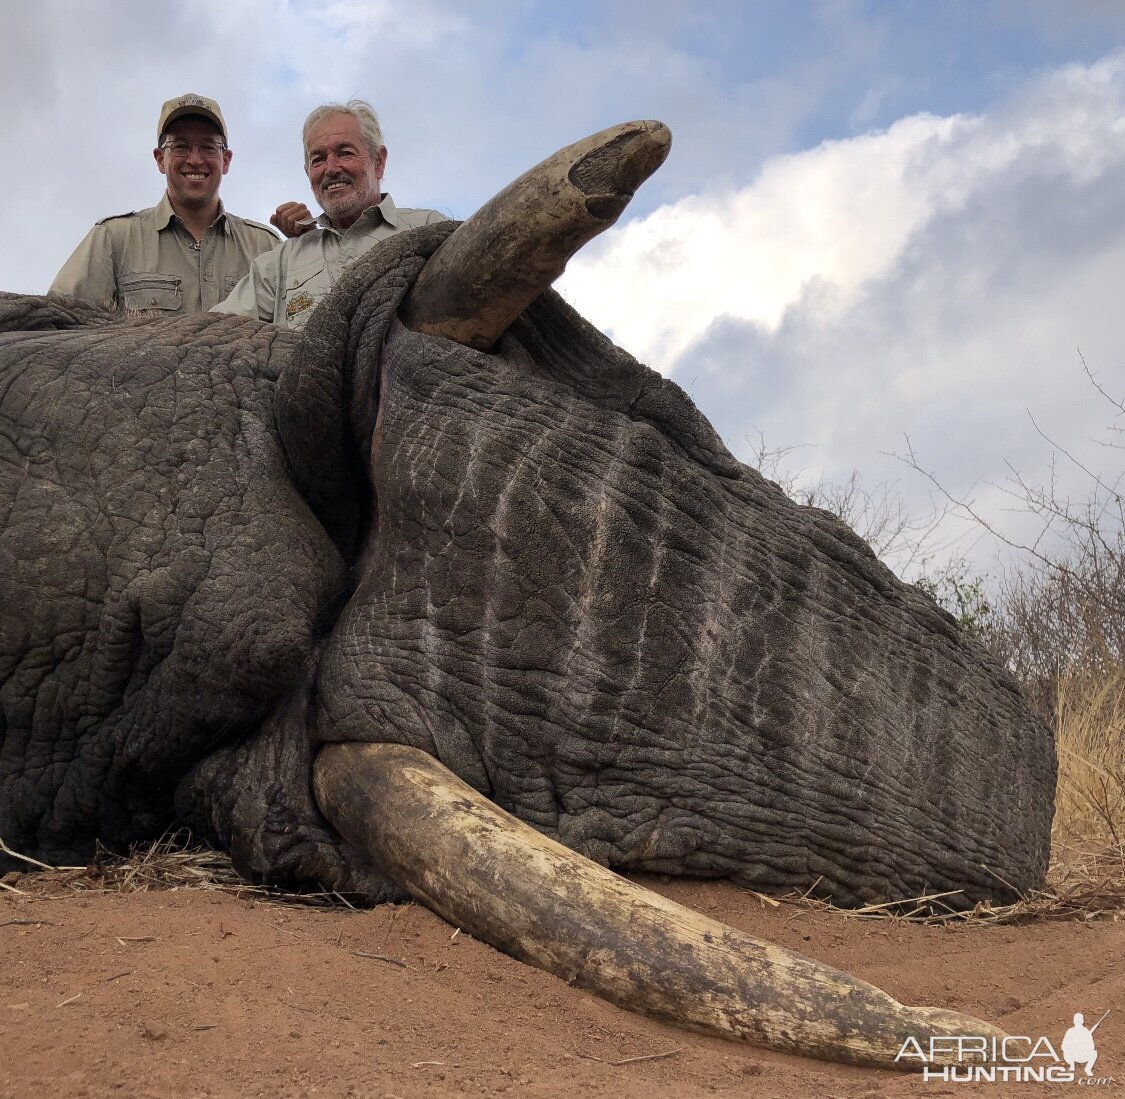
{"x": 1087, "y": 873}
{"x": 1090, "y": 731}
{"x": 175, "y": 861}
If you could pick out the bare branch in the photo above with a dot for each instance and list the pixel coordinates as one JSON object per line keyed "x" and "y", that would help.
{"x": 877, "y": 515}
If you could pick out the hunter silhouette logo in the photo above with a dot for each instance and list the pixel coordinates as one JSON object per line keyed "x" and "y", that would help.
{"x": 973, "y": 1058}
{"x": 1078, "y": 1044}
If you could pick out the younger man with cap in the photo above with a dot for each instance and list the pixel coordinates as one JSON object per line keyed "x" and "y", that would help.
{"x": 185, "y": 254}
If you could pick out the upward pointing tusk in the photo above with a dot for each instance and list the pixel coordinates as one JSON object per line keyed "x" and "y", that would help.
{"x": 485, "y": 871}
{"x": 516, "y": 245}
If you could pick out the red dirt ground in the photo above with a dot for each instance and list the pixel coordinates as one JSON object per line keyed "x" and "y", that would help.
{"x": 203, "y": 993}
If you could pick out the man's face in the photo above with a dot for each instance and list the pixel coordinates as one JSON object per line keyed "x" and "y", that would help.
{"x": 345, "y": 179}
{"x": 193, "y": 177}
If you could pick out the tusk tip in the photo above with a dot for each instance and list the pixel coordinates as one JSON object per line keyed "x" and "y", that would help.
{"x": 621, "y": 159}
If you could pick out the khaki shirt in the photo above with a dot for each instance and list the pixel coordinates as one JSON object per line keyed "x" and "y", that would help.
{"x": 148, "y": 260}
{"x": 285, "y": 285}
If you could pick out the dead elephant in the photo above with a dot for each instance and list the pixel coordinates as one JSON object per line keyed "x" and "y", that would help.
{"x": 239, "y": 564}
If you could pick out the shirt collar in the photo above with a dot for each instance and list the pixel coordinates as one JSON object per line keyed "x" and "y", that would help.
{"x": 385, "y": 211}
{"x": 165, "y": 213}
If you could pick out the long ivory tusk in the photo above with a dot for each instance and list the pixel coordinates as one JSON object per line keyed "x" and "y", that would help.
{"x": 485, "y": 871}
{"x": 517, "y": 244}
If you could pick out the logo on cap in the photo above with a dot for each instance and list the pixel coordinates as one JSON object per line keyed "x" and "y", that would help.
{"x": 191, "y": 103}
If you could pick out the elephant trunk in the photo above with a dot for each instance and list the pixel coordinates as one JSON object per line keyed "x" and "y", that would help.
{"x": 487, "y": 872}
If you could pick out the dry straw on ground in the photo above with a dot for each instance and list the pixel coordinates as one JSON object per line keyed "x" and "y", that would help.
{"x": 175, "y": 861}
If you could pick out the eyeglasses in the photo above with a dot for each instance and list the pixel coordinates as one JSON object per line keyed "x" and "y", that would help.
{"x": 211, "y": 150}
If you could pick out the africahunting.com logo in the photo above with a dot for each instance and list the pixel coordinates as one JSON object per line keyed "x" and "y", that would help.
{"x": 1018, "y": 1058}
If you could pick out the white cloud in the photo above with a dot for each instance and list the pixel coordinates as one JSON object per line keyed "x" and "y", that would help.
{"x": 931, "y": 280}
{"x": 839, "y": 214}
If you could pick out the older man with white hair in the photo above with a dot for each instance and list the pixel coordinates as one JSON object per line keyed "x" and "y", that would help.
{"x": 344, "y": 160}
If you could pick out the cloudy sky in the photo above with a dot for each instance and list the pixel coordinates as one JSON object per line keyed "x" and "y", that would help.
{"x": 880, "y": 221}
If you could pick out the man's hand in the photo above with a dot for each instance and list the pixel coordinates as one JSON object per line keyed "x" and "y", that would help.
{"x": 293, "y": 218}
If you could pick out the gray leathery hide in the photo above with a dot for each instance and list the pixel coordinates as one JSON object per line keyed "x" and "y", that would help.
{"x": 579, "y": 601}
{"x": 162, "y": 581}
{"x": 557, "y": 580}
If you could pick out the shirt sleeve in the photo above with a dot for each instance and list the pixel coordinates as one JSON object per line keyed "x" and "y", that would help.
{"x": 89, "y": 272}
{"x": 264, "y": 239}
{"x": 256, "y": 294}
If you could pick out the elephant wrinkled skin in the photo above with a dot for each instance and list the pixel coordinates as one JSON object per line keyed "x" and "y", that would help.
{"x": 224, "y": 544}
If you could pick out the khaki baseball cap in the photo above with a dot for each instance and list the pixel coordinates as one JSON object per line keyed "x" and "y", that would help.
{"x": 190, "y": 104}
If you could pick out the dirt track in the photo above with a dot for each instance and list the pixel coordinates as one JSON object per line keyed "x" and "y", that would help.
{"x": 202, "y": 993}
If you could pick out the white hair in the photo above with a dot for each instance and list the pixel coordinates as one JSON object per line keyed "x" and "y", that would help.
{"x": 361, "y": 111}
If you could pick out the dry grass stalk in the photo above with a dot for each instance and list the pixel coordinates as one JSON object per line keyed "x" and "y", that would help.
{"x": 1087, "y": 871}
{"x": 171, "y": 862}
{"x": 175, "y": 861}
{"x": 1090, "y": 729}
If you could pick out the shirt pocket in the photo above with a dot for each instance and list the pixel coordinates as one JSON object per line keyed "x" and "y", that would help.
{"x": 150, "y": 292}
{"x": 229, "y": 283}
{"x": 304, "y": 288}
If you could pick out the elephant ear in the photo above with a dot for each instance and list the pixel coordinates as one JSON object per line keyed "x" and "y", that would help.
{"x": 327, "y": 394}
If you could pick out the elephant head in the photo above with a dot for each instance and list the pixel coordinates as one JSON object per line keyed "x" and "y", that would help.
{"x": 356, "y": 603}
